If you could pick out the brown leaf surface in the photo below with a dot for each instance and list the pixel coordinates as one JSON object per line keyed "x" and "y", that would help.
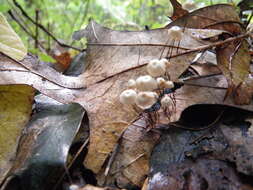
{"x": 220, "y": 16}
{"x": 178, "y": 11}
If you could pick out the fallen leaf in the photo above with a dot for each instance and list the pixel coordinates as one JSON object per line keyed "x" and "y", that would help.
{"x": 15, "y": 110}
{"x": 63, "y": 61}
{"x": 44, "y": 145}
{"x": 194, "y": 159}
{"x": 178, "y": 11}
{"x": 234, "y": 62}
{"x": 10, "y": 43}
{"x": 220, "y": 16}
{"x": 131, "y": 163}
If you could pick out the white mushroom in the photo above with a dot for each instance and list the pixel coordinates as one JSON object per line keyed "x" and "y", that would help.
{"x": 145, "y": 100}
{"x": 166, "y": 101}
{"x": 165, "y": 61}
{"x": 161, "y": 82}
{"x": 169, "y": 84}
{"x": 146, "y": 83}
{"x": 156, "y": 68}
{"x": 175, "y": 33}
{"x": 128, "y": 97}
{"x": 131, "y": 84}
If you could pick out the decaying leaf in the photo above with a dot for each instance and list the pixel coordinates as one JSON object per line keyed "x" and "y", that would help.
{"x": 198, "y": 159}
{"x": 10, "y": 43}
{"x": 44, "y": 145}
{"x": 15, "y": 110}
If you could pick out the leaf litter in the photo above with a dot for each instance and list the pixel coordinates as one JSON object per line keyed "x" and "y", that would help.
{"x": 111, "y": 62}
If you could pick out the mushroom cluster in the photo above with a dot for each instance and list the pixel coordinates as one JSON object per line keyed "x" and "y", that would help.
{"x": 144, "y": 91}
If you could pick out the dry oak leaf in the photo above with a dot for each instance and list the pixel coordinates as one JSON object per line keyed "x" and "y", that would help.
{"x": 108, "y": 70}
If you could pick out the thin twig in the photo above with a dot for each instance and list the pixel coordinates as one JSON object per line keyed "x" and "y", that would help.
{"x": 201, "y": 48}
{"x": 24, "y": 28}
{"x": 126, "y": 165}
{"x": 205, "y": 47}
{"x": 203, "y": 76}
{"x": 44, "y": 29}
{"x": 205, "y": 86}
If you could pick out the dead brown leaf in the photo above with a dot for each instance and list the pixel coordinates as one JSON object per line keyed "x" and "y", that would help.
{"x": 178, "y": 11}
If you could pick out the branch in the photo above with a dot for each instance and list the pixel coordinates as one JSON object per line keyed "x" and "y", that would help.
{"x": 43, "y": 28}
{"x": 24, "y": 28}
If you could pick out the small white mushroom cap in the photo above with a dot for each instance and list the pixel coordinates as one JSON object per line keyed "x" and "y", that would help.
{"x": 156, "y": 68}
{"x": 165, "y": 61}
{"x": 175, "y": 33}
{"x": 169, "y": 84}
{"x": 166, "y": 101}
{"x": 146, "y": 83}
{"x": 145, "y": 100}
{"x": 161, "y": 82}
{"x": 131, "y": 83}
{"x": 128, "y": 97}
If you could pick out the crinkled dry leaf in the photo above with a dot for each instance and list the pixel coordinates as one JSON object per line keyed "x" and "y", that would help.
{"x": 234, "y": 62}
{"x": 15, "y": 110}
{"x": 10, "y": 43}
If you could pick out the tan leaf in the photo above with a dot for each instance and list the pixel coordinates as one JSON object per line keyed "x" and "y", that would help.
{"x": 10, "y": 43}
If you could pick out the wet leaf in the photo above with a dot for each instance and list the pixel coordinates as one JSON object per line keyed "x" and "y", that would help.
{"x": 44, "y": 146}
{"x": 15, "y": 110}
{"x": 10, "y": 43}
{"x": 195, "y": 159}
